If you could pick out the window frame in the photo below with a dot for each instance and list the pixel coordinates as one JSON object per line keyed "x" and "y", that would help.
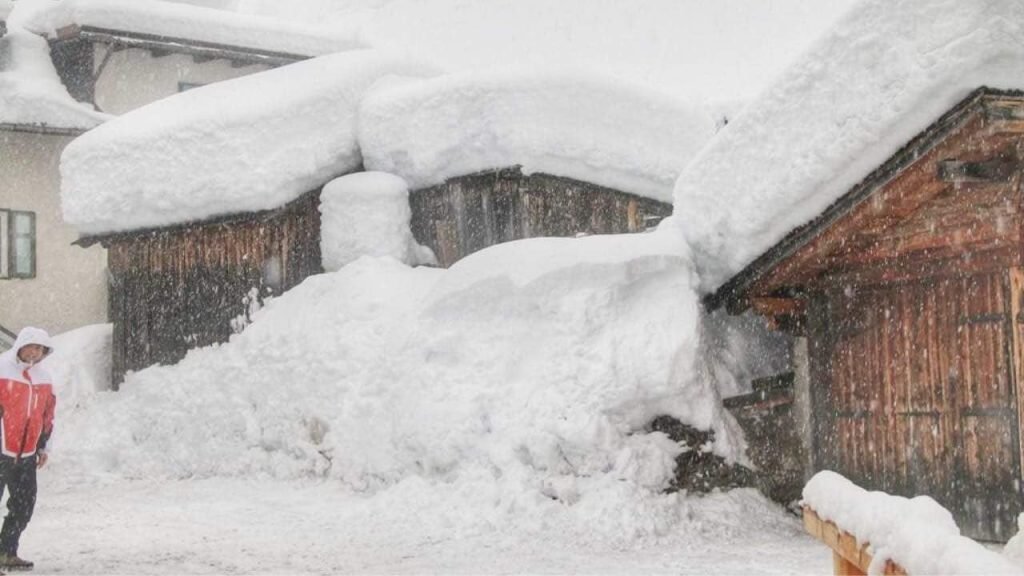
{"x": 9, "y": 244}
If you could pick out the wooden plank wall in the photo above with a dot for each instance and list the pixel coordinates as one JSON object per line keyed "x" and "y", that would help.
{"x": 176, "y": 289}
{"x": 922, "y": 396}
{"x": 473, "y": 212}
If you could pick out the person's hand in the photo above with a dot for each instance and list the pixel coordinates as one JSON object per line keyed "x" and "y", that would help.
{"x": 41, "y": 460}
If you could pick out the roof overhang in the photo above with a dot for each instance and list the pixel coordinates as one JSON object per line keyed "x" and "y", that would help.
{"x": 734, "y": 294}
{"x": 41, "y": 129}
{"x": 106, "y": 239}
{"x": 163, "y": 45}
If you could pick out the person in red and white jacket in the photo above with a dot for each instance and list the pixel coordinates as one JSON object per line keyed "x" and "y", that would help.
{"x": 27, "y": 404}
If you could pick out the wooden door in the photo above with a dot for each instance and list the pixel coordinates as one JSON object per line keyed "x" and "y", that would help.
{"x": 985, "y": 382}
{"x": 923, "y": 395}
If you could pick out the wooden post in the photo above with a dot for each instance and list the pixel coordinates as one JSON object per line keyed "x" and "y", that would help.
{"x": 843, "y": 567}
{"x": 849, "y": 557}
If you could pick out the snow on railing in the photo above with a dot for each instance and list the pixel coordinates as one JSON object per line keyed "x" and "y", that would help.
{"x": 877, "y": 533}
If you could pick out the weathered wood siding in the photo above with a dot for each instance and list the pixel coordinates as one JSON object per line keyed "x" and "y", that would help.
{"x": 176, "y": 289}
{"x": 917, "y": 394}
{"x": 473, "y": 212}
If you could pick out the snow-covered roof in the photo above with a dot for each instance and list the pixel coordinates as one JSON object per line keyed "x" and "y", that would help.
{"x": 882, "y": 75}
{"x": 247, "y": 144}
{"x": 31, "y": 93}
{"x": 5, "y": 9}
{"x": 187, "y": 23}
{"x": 587, "y": 127}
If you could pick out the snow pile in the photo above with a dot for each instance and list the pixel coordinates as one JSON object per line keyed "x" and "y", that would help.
{"x": 30, "y": 90}
{"x": 918, "y": 533}
{"x": 195, "y": 23}
{"x": 883, "y": 74}
{"x": 367, "y": 214}
{"x": 80, "y": 364}
{"x": 518, "y": 382}
{"x": 1014, "y": 549}
{"x": 247, "y": 144}
{"x": 589, "y": 127}
{"x": 5, "y": 9}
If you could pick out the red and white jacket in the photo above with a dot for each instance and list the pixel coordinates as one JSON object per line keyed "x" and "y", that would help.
{"x": 27, "y": 399}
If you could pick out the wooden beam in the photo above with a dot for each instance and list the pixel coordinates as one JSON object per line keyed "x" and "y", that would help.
{"x": 849, "y": 556}
{"x": 777, "y": 306}
{"x": 68, "y": 32}
{"x": 994, "y": 170}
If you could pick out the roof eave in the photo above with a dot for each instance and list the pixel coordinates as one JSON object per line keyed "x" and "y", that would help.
{"x": 46, "y": 129}
{"x": 733, "y": 293}
{"x": 170, "y": 44}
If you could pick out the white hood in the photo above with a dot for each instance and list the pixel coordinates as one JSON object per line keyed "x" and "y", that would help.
{"x": 30, "y": 335}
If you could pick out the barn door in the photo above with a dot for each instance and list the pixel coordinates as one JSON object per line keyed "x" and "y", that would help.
{"x": 985, "y": 381}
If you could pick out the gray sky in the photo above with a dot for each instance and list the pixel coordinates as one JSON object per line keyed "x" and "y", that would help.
{"x": 718, "y": 50}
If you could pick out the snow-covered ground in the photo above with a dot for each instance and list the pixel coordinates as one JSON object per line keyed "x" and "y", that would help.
{"x": 238, "y": 526}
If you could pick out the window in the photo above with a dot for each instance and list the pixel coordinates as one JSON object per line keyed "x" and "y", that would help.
{"x": 17, "y": 244}
{"x": 184, "y": 86}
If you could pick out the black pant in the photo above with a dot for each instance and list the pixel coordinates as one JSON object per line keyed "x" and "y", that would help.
{"x": 19, "y": 478}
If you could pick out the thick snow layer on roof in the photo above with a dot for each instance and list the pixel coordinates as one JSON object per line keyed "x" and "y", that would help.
{"x": 196, "y": 23}
{"x": 587, "y": 127}
{"x": 883, "y": 74}
{"x": 248, "y": 144}
{"x": 918, "y": 533}
{"x": 30, "y": 90}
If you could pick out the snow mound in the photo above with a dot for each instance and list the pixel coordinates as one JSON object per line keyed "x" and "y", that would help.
{"x": 5, "y": 8}
{"x": 916, "y": 533}
{"x": 247, "y": 144}
{"x": 521, "y": 378}
{"x": 80, "y": 364}
{"x": 179, "y": 21}
{"x": 882, "y": 75}
{"x": 367, "y": 214}
{"x": 30, "y": 91}
{"x": 588, "y": 127}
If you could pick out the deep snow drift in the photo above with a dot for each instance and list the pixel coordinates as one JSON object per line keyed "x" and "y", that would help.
{"x": 519, "y": 380}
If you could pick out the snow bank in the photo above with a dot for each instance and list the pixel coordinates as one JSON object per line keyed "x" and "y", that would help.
{"x": 196, "y": 23}
{"x": 519, "y": 380}
{"x": 30, "y": 90}
{"x": 883, "y": 74}
{"x": 80, "y": 364}
{"x": 247, "y": 144}
{"x": 367, "y": 214}
{"x": 918, "y": 533}
{"x": 589, "y": 127}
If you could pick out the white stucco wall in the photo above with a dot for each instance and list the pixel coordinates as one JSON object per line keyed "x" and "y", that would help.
{"x": 70, "y": 287}
{"x": 134, "y": 77}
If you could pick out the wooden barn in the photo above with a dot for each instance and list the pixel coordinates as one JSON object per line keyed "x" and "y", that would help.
{"x": 472, "y": 212}
{"x": 185, "y": 286}
{"x": 909, "y": 291}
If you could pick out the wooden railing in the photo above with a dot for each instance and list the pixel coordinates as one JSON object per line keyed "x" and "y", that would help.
{"x": 849, "y": 557}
